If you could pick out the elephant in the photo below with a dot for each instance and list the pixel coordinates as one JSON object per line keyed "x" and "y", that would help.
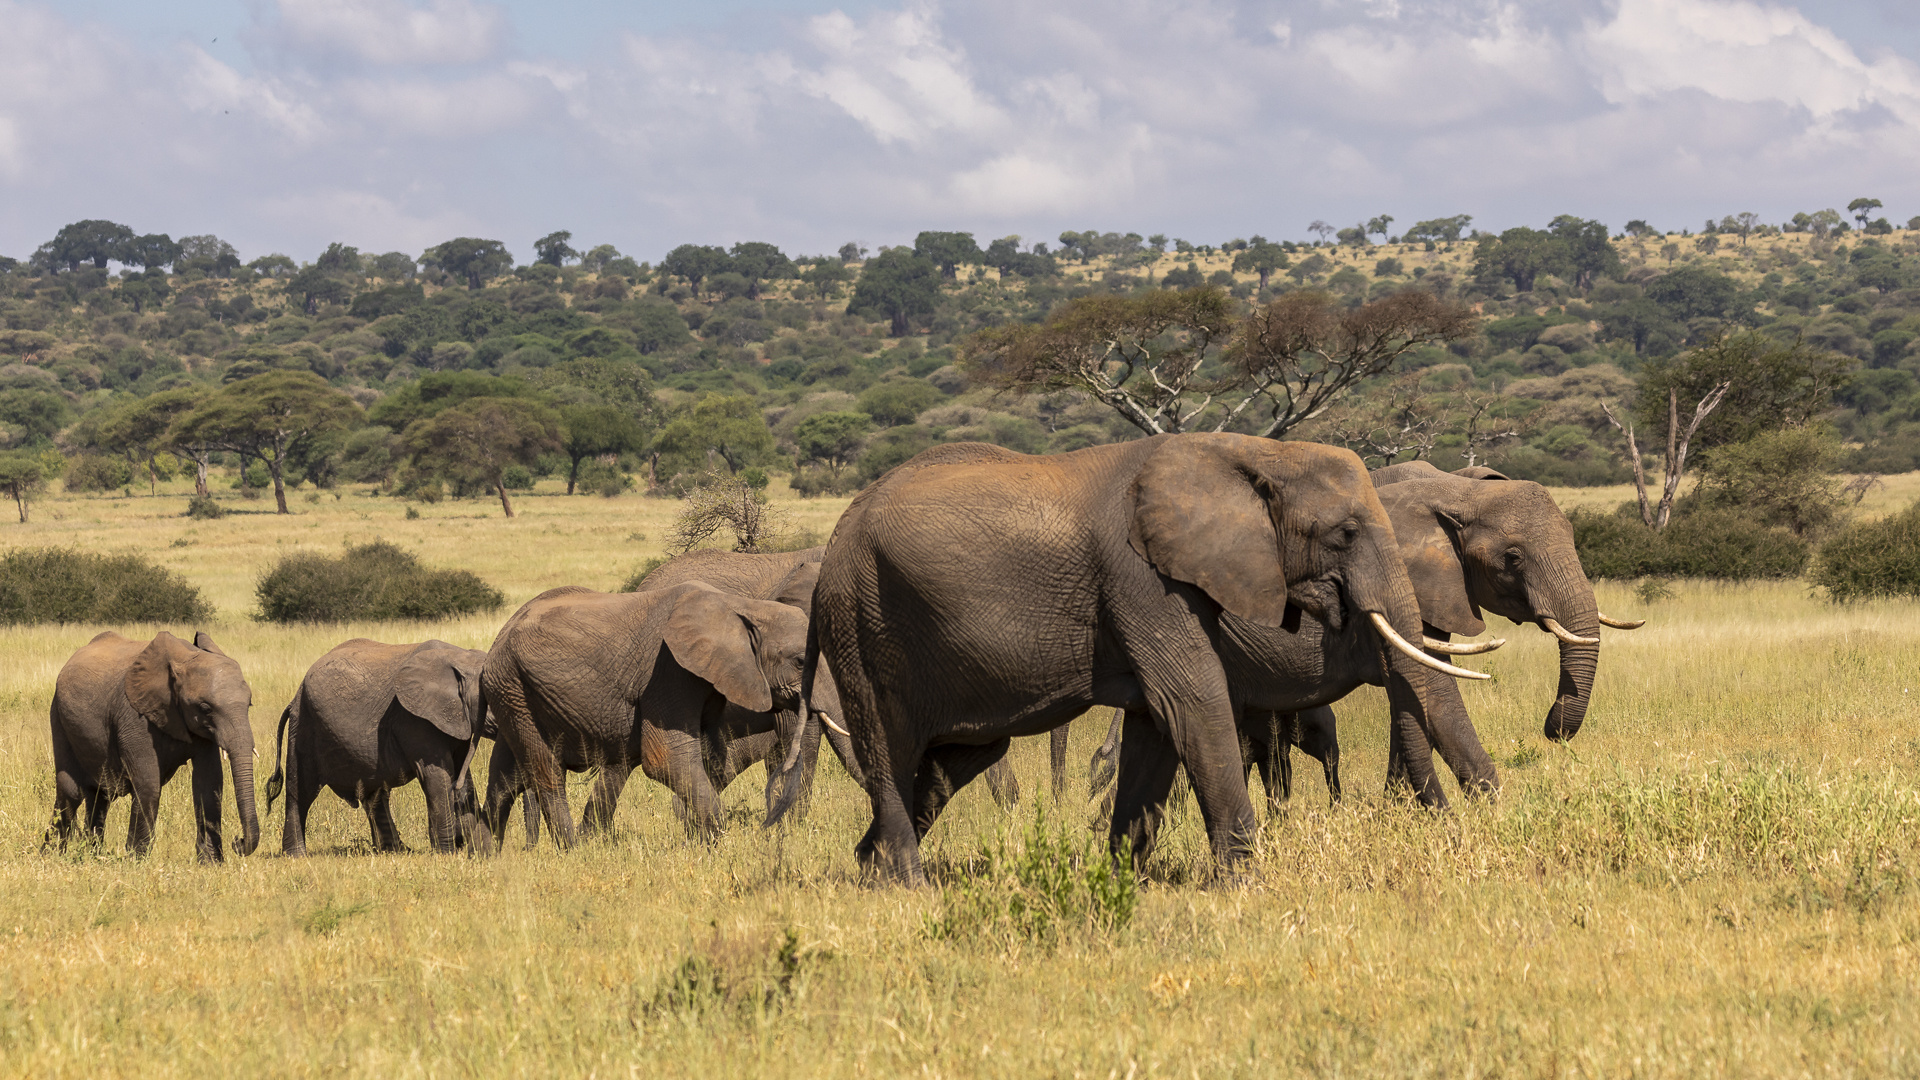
{"x": 787, "y": 577}
{"x": 1473, "y": 541}
{"x": 974, "y": 594}
{"x": 580, "y": 679}
{"x": 370, "y": 717}
{"x": 127, "y": 714}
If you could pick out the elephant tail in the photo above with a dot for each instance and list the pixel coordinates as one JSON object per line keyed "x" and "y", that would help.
{"x": 277, "y": 781}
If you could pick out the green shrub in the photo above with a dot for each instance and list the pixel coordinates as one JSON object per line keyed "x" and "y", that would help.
{"x": 1873, "y": 558}
{"x": 517, "y": 478}
{"x": 1053, "y": 884}
{"x": 813, "y": 481}
{"x": 204, "y": 508}
{"x": 66, "y": 585}
{"x": 379, "y": 580}
{"x": 1715, "y": 543}
{"x": 632, "y": 584}
{"x": 98, "y": 472}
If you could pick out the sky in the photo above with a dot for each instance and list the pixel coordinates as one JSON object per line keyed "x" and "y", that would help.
{"x": 284, "y": 125}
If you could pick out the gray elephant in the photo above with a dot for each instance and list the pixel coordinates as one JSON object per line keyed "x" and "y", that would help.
{"x": 370, "y": 717}
{"x": 580, "y": 679}
{"x": 127, "y": 714}
{"x": 786, "y": 577}
{"x": 974, "y": 594}
{"x": 1473, "y": 541}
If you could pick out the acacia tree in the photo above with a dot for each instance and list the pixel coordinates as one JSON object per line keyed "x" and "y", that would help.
{"x": 21, "y": 477}
{"x": 266, "y": 417}
{"x": 142, "y": 429}
{"x": 898, "y": 284}
{"x": 470, "y": 258}
{"x": 593, "y": 430}
{"x": 554, "y": 250}
{"x": 833, "y": 439}
{"x": 1148, "y": 357}
{"x": 478, "y": 438}
{"x": 1262, "y": 257}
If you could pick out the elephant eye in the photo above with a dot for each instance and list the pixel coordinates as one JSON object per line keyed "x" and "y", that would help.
{"x": 1513, "y": 559}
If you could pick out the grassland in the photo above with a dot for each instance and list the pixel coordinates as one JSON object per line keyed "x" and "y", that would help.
{"x": 1716, "y": 879}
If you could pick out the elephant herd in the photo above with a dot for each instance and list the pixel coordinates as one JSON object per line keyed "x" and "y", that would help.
{"x": 1219, "y": 592}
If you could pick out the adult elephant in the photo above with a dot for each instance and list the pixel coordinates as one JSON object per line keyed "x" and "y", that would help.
{"x": 370, "y": 717}
{"x": 127, "y": 714}
{"x": 974, "y": 594}
{"x": 1473, "y": 542}
{"x": 579, "y": 679}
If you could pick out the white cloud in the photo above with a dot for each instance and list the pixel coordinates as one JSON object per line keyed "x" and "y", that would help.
{"x": 392, "y": 124}
{"x": 394, "y": 31}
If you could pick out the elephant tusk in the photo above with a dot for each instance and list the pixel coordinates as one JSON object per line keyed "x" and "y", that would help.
{"x": 1621, "y": 624}
{"x": 1462, "y": 648}
{"x": 1565, "y": 634}
{"x": 1398, "y": 642}
{"x": 827, "y": 719}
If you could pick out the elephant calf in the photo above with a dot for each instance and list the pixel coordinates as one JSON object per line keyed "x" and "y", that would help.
{"x": 583, "y": 679}
{"x": 127, "y": 714}
{"x": 370, "y": 717}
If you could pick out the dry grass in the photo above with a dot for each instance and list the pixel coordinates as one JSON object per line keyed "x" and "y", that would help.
{"x": 1717, "y": 878}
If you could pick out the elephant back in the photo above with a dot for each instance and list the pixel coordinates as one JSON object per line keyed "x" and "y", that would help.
{"x": 760, "y": 576}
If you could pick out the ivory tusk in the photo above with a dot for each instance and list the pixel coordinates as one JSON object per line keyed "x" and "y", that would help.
{"x": 1398, "y": 642}
{"x": 1621, "y": 624}
{"x": 1462, "y": 648}
{"x": 827, "y": 719}
{"x": 1565, "y": 634}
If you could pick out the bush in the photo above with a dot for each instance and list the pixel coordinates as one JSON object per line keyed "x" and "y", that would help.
{"x": 817, "y": 480}
{"x": 98, "y": 472}
{"x": 1873, "y": 558}
{"x": 379, "y": 580}
{"x": 204, "y": 508}
{"x": 66, "y": 585}
{"x": 1055, "y": 883}
{"x": 1714, "y": 543}
{"x": 517, "y": 478}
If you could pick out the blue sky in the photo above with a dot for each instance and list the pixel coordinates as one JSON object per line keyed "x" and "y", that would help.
{"x": 282, "y": 125}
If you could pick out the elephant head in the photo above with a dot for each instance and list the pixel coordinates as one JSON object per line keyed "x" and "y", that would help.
{"x": 198, "y": 692}
{"x": 1502, "y": 546}
{"x": 440, "y": 683}
{"x": 751, "y": 651}
{"x": 1267, "y": 527}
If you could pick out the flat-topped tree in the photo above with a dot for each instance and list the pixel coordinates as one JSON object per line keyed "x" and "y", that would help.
{"x": 267, "y": 416}
{"x": 553, "y": 249}
{"x": 94, "y": 240}
{"x": 948, "y": 250}
{"x": 480, "y": 437}
{"x": 470, "y": 258}
{"x": 1180, "y": 361}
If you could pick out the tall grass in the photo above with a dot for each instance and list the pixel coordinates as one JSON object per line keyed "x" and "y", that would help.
{"x": 1717, "y": 878}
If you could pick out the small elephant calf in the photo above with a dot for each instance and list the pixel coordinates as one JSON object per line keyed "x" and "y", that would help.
{"x": 370, "y": 717}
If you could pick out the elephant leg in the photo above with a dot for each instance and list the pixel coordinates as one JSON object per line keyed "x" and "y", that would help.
{"x": 1145, "y": 768}
{"x": 436, "y": 783}
{"x": 1057, "y": 761}
{"x": 671, "y": 756}
{"x": 1000, "y": 781}
{"x": 1264, "y": 745}
{"x": 530, "y": 810}
{"x": 1315, "y": 733}
{"x": 144, "y": 779}
{"x": 303, "y": 787}
{"x": 207, "y": 776}
{"x": 70, "y": 791}
{"x": 505, "y": 783}
{"x": 945, "y": 770}
{"x": 1102, "y": 766}
{"x": 379, "y": 809}
{"x": 99, "y": 801}
{"x": 537, "y": 762}
{"x": 598, "y": 816}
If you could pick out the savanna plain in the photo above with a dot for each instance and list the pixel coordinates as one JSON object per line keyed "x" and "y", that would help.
{"x": 1719, "y": 877}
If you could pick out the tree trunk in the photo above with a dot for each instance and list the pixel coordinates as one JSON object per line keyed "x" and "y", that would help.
{"x": 573, "y": 476}
{"x": 500, "y": 486}
{"x": 200, "y": 476}
{"x": 279, "y": 489}
{"x": 21, "y": 498}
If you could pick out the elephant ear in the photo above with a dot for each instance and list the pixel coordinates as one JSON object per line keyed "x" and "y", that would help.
{"x": 1203, "y": 514}
{"x": 431, "y": 686}
{"x": 710, "y": 637}
{"x": 204, "y": 642}
{"x": 796, "y": 589}
{"x": 1427, "y": 524}
{"x": 150, "y": 681}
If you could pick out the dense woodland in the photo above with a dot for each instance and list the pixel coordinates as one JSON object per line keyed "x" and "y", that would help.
{"x": 126, "y": 358}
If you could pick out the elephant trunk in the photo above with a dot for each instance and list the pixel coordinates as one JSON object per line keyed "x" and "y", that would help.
{"x": 1568, "y": 599}
{"x": 239, "y": 748}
